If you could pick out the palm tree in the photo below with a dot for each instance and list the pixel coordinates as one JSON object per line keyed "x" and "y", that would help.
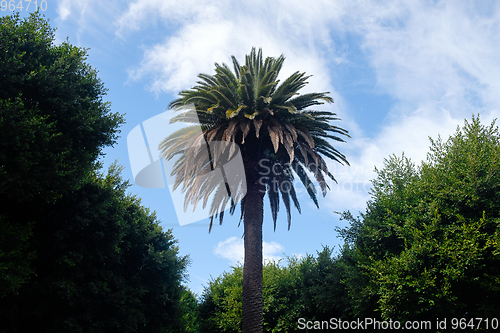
{"x": 275, "y": 130}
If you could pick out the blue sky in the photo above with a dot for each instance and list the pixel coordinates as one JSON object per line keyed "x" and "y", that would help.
{"x": 398, "y": 71}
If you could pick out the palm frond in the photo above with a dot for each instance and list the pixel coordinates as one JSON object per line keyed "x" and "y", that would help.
{"x": 267, "y": 118}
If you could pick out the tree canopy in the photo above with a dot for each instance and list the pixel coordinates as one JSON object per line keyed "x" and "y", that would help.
{"x": 54, "y": 125}
{"x": 77, "y": 252}
{"x": 54, "y": 117}
{"x": 103, "y": 264}
{"x": 428, "y": 244}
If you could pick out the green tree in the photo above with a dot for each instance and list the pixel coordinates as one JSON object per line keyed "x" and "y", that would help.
{"x": 221, "y": 303}
{"x": 373, "y": 236}
{"x": 310, "y": 288}
{"x": 77, "y": 254}
{"x": 53, "y": 123}
{"x": 220, "y": 306}
{"x": 323, "y": 293}
{"x": 273, "y": 127}
{"x": 103, "y": 265}
{"x": 427, "y": 245}
{"x": 190, "y": 316}
{"x": 54, "y": 118}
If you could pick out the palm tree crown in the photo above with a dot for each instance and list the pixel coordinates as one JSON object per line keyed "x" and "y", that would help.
{"x": 269, "y": 121}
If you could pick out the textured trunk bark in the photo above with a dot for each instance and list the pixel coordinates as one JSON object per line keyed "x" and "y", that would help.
{"x": 252, "y": 269}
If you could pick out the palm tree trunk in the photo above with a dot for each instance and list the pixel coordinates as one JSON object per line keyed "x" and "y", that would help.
{"x": 252, "y": 270}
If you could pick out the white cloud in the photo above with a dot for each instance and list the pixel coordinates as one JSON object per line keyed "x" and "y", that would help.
{"x": 422, "y": 53}
{"x": 76, "y": 8}
{"x": 88, "y": 19}
{"x": 64, "y": 9}
{"x": 232, "y": 249}
{"x": 210, "y": 32}
{"x": 272, "y": 251}
{"x": 444, "y": 53}
{"x": 142, "y": 13}
{"x": 176, "y": 64}
{"x": 437, "y": 60}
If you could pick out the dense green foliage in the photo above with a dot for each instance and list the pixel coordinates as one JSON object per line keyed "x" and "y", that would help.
{"x": 427, "y": 247}
{"x": 53, "y": 123}
{"x": 77, "y": 253}
{"x": 428, "y": 243}
{"x": 220, "y": 306}
{"x": 309, "y": 288}
{"x": 55, "y": 119}
{"x": 103, "y": 265}
{"x": 189, "y": 311}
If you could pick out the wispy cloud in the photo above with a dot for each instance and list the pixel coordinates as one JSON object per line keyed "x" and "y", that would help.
{"x": 144, "y": 13}
{"x": 232, "y": 249}
{"x": 436, "y": 60}
{"x": 69, "y": 7}
{"x": 209, "y": 32}
{"x": 88, "y": 20}
{"x": 425, "y": 54}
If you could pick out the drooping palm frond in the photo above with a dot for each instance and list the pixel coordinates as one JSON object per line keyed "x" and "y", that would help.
{"x": 268, "y": 120}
